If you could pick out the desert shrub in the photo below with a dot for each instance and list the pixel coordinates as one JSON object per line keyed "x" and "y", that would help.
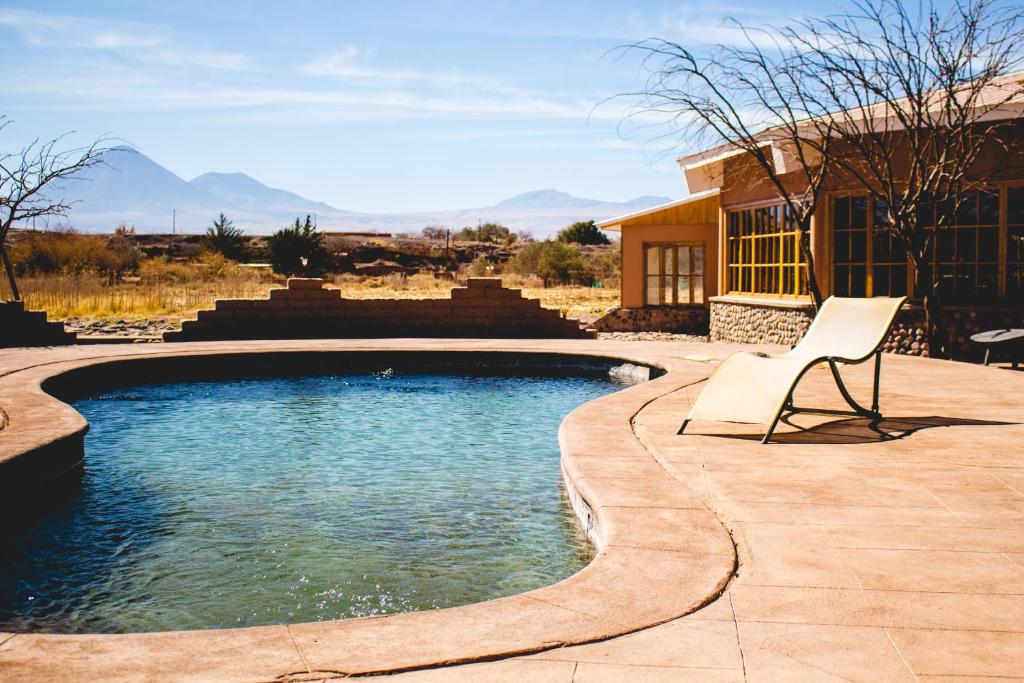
{"x": 554, "y": 262}
{"x": 71, "y": 253}
{"x": 482, "y": 267}
{"x": 583, "y": 232}
{"x": 297, "y": 249}
{"x": 486, "y": 232}
{"x": 224, "y": 238}
{"x": 435, "y": 232}
{"x": 527, "y": 260}
{"x": 607, "y": 265}
{"x": 163, "y": 269}
{"x": 564, "y": 264}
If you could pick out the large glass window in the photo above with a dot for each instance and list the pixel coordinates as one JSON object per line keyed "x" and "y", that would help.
{"x": 965, "y": 256}
{"x": 762, "y": 253}
{"x": 674, "y": 274}
{"x": 868, "y": 260}
{"x": 1015, "y": 244}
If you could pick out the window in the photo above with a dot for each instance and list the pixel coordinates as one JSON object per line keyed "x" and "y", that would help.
{"x": 762, "y": 254}
{"x": 850, "y": 246}
{"x": 966, "y": 256}
{"x": 673, "y": 274}
{"x": 1015, "y": 244}
{"x": 868, "y": 260}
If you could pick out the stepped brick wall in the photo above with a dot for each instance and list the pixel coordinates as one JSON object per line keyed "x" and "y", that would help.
{"x": 19, "y": 327}
{"x": 305, "y": 310}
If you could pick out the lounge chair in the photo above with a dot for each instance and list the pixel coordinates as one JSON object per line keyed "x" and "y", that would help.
{"x": 758, "y": 387}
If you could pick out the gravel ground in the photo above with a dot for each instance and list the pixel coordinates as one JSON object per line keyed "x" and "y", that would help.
{"x": 652, "y": 336}
{"x": 121, "y": 327}
{"x": 155, "y": 327}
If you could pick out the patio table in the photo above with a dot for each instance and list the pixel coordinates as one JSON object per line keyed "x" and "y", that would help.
{"x": 1010, "y": 339}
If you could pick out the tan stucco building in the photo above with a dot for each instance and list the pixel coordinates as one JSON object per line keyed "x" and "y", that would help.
{"x": 725, "y": 259}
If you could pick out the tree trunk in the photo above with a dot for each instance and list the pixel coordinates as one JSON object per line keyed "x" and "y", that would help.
{"x": 934, "y": 327}
{"x": 808, "y": 256}
{"x": 10, "y": 273}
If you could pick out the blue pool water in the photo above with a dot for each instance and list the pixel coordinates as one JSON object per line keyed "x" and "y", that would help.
{"x": 289, "y": 499}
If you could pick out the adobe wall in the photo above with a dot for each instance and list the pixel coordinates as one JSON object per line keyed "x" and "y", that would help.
{"x": 305, "y": 310}
{"x": 19, "y": 327}
{"x": 633, "y": 239}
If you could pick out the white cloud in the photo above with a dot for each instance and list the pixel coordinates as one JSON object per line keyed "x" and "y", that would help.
{"x": 351, "y": 63}
{"x": 143, "y": 42}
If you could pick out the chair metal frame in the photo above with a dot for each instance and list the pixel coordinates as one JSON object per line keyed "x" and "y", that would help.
{"x": 788, "y": 408}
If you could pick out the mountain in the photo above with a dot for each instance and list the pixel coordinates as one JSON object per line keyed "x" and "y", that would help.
{"x": 242, "y": 191}
{"x": 128, "y": 187}
{"x": 563, "y": 201}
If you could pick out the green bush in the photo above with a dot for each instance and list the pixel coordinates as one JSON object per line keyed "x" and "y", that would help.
{"x": 583, "y": 232}
{"x": 554, "y": 262}
{"x": 482, "y": 267}
{"x": 224, "y": 238}
{"x": 486, "y": 232}
{"x": 297, "y": 249}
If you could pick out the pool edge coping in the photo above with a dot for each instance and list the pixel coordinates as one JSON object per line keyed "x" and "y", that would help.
{"x": 679, "y": 571}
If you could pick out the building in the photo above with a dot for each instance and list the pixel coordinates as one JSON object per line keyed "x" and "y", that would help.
{"x": 725, "y": 259}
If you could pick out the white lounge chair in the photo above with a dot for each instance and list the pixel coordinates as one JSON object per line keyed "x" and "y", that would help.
{"x": 758, "y": 388}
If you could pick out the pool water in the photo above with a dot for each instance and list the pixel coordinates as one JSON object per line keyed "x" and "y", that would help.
{"x": 290, "y": 499}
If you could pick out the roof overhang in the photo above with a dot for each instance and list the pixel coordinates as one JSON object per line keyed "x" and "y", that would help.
{"x": 705, "y": 170}
{"x": 614, "y": 224}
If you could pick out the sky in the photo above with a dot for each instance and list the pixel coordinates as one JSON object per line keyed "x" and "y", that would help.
{"x": 368, "y": 106}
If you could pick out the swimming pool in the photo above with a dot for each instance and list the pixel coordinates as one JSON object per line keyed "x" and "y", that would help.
{"x": 301, "y": 498}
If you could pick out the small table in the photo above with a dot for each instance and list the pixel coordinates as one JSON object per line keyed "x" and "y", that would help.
{"x": 1012, "y": 339}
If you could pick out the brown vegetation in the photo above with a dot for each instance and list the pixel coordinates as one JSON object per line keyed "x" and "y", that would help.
{"x": 71, "y": 275}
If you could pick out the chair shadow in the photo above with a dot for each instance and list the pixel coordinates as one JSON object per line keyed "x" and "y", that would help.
{"x": 854, "y": 430}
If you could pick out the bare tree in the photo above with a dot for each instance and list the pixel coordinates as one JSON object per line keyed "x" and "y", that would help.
{"x": 751, "y": 99}
{"x": 24, "y": 178}
{"x": 920, "y": 103}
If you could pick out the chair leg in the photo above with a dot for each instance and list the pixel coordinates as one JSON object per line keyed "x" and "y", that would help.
{"x": 771, "y": 428}
{"x": 858, "y": 408}
{"x": 878, "y": 381}
{"x": 682, "y": 428}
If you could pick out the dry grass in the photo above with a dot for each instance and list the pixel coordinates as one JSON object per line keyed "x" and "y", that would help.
{"x": 173, "y": 290}
{"x": 574, "y": 302}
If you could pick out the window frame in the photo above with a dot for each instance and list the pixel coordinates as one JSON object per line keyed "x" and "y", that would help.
{"x": 661, "y": 246}
{"x": 869, "y": 244}
{"x": 1000, "y": 189}
{"x": 756, "y": 261}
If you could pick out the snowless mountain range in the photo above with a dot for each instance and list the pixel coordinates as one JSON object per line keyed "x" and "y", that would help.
{"x": 130, "y": 188}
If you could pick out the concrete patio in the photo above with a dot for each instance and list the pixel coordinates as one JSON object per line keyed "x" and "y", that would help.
{"x": 841, "y": 553}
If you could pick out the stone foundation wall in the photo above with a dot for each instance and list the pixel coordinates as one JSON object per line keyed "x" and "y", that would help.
{"x": 908, "y": 334}
{"x": 685, "y": 320}
{"x": 759, "y": 323}
{"x": 19, "y": 327}
{"x": 305, "y": 310}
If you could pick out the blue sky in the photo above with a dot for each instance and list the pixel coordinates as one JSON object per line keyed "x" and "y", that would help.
{"x": 370, "y": 106}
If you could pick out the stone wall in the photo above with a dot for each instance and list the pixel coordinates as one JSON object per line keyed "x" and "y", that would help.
{"x": 759, "y": 323}
{"x": 688, "y": 320}
{"x": 908, "y": 335}
{"x": 305, "y": 310}
{"x": 19, "y": 327}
